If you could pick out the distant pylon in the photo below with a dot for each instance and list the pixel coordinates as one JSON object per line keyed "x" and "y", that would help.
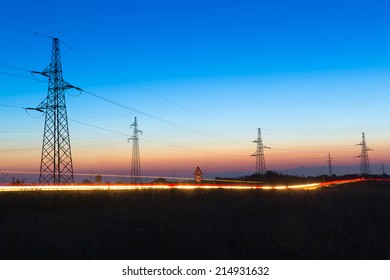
{"x": 364, "y": 161}
{"x": 135, "y": 160}
{"x": 330, "y": 170}
{"x": 259, "y": 154}
{"x": 56, "y": 161}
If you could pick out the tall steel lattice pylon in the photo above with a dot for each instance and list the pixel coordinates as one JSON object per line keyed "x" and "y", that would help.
{"x": 56, "y": 160}
{"x": 260, "y": 160}
{"x": 135, "y": 159}
{"x": 330, "y": 169}
{"x": 364, "y": 161}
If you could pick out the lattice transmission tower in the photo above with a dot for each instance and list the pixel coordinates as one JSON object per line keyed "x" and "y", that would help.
{"x": 259, "y": 154}
{"x": 135, "y": 159}
{"x": 56, "y": 160}
{"x": 364, "y": 161}
{"x": 330, "y": 169}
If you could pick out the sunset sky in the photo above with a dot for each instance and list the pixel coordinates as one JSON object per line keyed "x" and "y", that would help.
{"x": 201, "y": 77}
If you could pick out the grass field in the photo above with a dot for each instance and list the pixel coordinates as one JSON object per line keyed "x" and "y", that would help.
{"x": 344, "y": 222}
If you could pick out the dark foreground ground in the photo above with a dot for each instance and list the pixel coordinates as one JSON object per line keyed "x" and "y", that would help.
{"x": 347, "y": 222}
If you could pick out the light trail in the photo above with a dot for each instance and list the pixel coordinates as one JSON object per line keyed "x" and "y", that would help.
{"x": 147, "y": 187}
{"x": 340, "y": 182}
{"x": 311, "y": 186}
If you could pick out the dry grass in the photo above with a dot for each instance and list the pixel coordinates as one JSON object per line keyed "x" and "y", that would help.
{"x": 348, "y": 222}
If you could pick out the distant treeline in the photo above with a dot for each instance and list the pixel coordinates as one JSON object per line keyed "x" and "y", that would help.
{"x": 269, "y": 178}
{"x": 274, "y": 178}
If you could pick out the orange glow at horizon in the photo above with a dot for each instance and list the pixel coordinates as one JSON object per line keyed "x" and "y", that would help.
{"x": 170, "y": 160}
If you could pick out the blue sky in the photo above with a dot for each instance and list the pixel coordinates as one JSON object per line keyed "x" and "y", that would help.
{"x": 313, "y": 75}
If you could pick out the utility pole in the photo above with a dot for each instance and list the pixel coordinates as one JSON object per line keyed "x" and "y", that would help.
{"x": 56, "y": 160}
{"x": 259, "y": 154}
{"x": 135, "y": 160}
{"x": 330, "y": 170}
{"x": 364, "y": 161}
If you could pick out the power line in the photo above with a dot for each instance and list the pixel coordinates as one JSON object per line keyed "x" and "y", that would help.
{"x": 26, "y": 30}
{"x": 19, "y": 76}
{"x": 19, "y": 150}
{"x": 21, "y": 69}
{"x": 149, "y": 140}
{"x": 146, "y": 89}
{"x": 203, "y": 133}
{"x": 13, "y": 67}
{"x": 123, "y": 77}
{"x": 188, "y": 149}
{"x": 180, "y": 126}
{"x": 25, "y": 108}
{"x": 12, "y": 106}
{"x": 112, "y": 71}
{"x": 98, "y": 127}
{"x": 149, "y": 115}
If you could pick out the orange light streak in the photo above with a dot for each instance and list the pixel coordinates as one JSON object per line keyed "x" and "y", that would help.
{"x": 311, "y": 186}
{"x": 144, "y": 187}
{"x": 339, "y": 182}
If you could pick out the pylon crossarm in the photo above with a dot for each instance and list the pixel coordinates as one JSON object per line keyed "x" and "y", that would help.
{"x": 42, "y": 106}
{"x": 69, "y": 86}
{"x": 35, "y": 109}
{"x": 43, "y": 73}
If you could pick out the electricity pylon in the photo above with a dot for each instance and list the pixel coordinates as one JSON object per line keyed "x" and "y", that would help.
{"x": 56, "y": 160}
{"x": 330, "y": 170}
{"x": 364, "y": 161}
{"x": 135, "y": 160}
{"x": 259, "y": 154}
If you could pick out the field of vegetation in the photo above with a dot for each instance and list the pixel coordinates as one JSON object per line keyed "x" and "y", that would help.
{"x": 343, "y": 222}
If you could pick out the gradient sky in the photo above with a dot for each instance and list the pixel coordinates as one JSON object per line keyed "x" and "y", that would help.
{"x": 313, "y": 75}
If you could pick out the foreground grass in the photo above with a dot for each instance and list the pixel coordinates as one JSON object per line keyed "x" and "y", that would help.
{"x": 347, "y": 222}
